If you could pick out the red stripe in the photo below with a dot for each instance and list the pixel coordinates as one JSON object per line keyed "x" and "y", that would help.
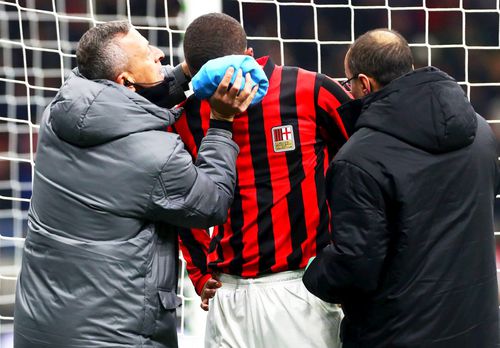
{"x": 279, "y": 174}
{"x": 329, "y": 103}
{"x": 205, "y": 115}
{"x": 326, "y": 161}
{"x": 246, "y": 180}
{"x": 307, "y": 125}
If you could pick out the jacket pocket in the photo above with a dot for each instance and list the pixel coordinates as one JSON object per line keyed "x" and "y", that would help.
{"x": 165, "y": 327}
{"x": 161, "y": 277}
{"x": 161, "y": 308}
{"x": 169, "y": 299}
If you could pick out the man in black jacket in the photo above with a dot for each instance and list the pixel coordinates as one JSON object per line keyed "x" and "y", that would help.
{"x": 412, "y": 259}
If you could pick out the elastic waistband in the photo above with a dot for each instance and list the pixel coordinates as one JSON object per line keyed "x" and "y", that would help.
{"x": 261, "y": 280}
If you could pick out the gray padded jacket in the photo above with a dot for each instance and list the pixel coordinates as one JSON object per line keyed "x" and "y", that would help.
{"x": 100, "y": 259}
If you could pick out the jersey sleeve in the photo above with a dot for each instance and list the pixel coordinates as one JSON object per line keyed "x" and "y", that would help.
{"x": 194, "y": 245}
{"x": 330, "y": 95}
{"x": 177, "y": 84}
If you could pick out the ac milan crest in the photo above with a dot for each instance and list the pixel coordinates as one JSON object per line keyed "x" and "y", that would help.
{"x": 283, "y": 139}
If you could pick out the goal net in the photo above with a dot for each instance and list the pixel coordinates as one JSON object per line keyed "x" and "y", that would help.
{"x": 37, "y": 50}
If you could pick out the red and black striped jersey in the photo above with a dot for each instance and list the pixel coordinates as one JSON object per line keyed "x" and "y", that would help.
{"x": 279, "y": 217}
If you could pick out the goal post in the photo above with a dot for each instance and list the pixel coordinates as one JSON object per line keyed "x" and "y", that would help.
{"x": 38, "y": 41}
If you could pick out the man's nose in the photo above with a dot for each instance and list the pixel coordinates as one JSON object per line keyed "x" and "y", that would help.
{"x": 158, "y": 54}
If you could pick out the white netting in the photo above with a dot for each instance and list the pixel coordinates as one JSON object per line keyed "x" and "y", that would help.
{"x": 38, "y": 41}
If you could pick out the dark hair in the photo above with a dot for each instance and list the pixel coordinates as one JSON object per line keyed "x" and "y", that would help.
{"x": 212, "y": 36}
{"x": 381, "y": 56}
{"x": 98, "y": 56}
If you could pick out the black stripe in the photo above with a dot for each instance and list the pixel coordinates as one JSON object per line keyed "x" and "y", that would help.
{"x": 193, "y": 118}
{"x": 322, "y": 235}
{"x": 222, "y": 124}
{"x": 262, "y": 176}
{"x": 269, "y": 67}
{"x": 288, "y": 109}
{"x": 236, "y": 240}
{"x": 215, "y": 244}
{"x": 192, "y": 245}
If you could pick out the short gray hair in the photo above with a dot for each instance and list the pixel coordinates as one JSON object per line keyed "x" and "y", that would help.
{"x": 382, "y": 53}
{"x": 98, "y": 55}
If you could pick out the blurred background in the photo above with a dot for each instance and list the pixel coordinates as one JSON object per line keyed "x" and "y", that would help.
{"x": 38, "y": 40}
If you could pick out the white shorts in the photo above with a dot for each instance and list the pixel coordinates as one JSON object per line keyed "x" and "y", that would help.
{"x": 273, "y": 311}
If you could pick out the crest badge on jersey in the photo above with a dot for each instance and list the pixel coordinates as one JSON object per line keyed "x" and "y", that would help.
{"x": 283, "y": 139}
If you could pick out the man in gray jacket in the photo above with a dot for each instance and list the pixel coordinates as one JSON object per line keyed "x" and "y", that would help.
{"x": 99, "y": 264}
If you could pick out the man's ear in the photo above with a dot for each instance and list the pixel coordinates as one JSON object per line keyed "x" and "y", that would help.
{"x": 369, "y": 84}
{"x": 249, "y": 51}
{"x": 366, "y": 87}
{"x": 125, "y": 80}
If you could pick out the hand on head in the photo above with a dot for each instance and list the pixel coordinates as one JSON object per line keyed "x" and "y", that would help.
{"x": 227, "y": 100}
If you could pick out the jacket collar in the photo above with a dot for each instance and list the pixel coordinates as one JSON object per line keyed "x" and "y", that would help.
{"x": 351, "y": 110}
{"x": 267, "y": 64}
{"x": 425, "y": 108}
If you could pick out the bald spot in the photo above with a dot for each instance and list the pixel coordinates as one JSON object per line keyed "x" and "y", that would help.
{"x": 384, "y": 37}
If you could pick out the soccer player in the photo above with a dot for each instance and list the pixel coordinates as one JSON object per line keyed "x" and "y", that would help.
{"x": 279, "y": 217}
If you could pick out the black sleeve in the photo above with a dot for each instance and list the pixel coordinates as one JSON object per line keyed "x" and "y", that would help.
{"x": 177, "y": 84}
{"x": 352, "y": 263}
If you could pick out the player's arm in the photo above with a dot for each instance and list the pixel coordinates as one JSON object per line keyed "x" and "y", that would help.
{"x": 194, "y": 245}
{"x": 330, "y": 95}
{"x": 352, "y": 263}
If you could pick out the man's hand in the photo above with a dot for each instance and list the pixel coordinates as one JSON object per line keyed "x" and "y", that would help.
{"x": 208, "y": 292}
{"x": 227, "y": 102}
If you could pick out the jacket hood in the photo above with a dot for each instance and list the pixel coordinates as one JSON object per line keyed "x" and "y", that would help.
{"x": 425, "y": 108}
{"x": 92, "y": 112}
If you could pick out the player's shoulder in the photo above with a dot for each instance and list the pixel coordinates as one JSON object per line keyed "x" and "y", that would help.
{"x": 334, "y": 88}
{"x": 321, "y": 78}
{"x": 298, "y": 70}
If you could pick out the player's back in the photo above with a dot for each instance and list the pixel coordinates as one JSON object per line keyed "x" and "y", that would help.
{"x": 279, "y": 217}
